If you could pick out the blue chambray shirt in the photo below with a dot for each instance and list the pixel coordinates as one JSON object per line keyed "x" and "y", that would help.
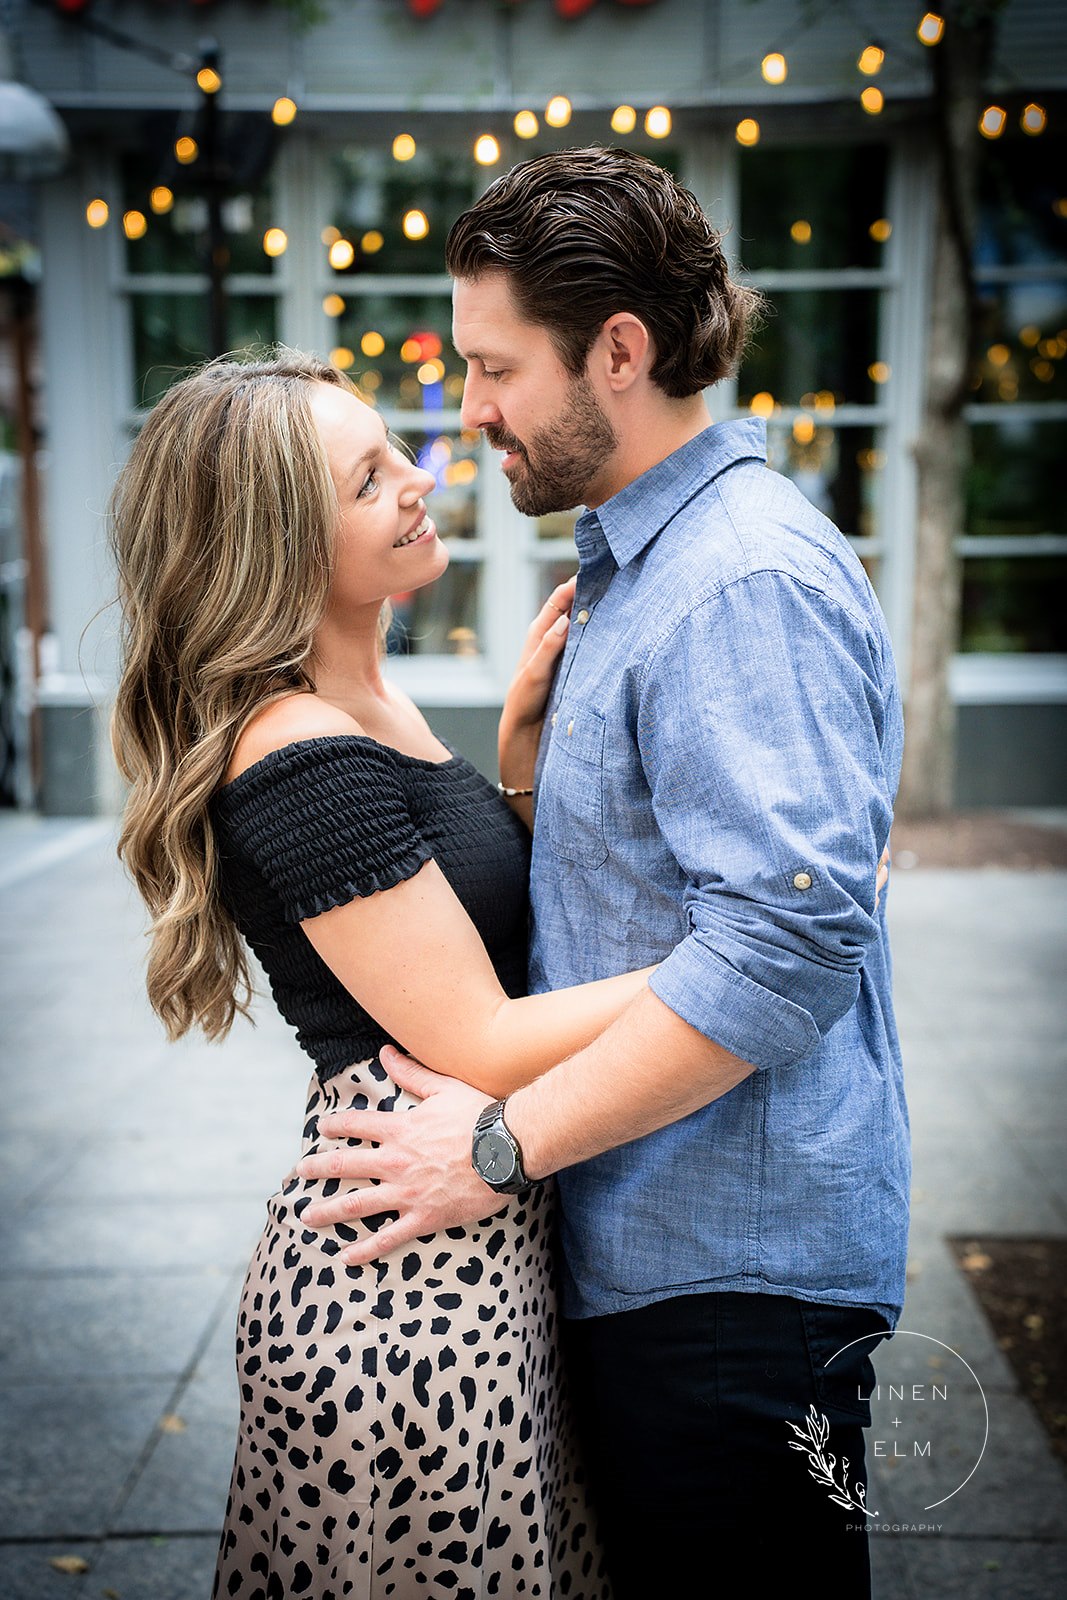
{"x": 714, "y": 790}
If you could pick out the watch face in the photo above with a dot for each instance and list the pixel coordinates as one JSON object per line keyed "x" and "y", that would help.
{"x": 494, "y": 1157}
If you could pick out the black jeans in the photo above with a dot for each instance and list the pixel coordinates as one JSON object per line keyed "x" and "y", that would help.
{"x": 683, "y": 1406}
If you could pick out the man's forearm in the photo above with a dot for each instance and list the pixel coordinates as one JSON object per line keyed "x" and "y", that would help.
{"x": 648, "y": 1069}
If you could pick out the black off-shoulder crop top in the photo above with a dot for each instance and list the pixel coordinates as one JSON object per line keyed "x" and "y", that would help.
{"x": 315, "y": 824}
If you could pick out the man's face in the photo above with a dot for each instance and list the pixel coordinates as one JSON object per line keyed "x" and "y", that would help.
{"x": 556, "y": 439}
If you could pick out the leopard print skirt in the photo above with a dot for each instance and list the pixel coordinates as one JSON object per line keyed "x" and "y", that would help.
{"x": 404, "y": 1428}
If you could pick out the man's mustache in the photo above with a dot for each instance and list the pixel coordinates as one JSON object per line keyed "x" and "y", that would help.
{"x": 500, "y": 440}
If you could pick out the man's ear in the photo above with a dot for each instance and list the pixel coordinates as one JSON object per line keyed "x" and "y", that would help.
{"x": 625, "y": 349}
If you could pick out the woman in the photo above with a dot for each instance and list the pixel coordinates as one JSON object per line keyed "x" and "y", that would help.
{"x": 403, "y": 1426}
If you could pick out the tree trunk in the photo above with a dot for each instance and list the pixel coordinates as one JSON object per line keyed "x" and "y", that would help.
{"x": 942, "y": 450}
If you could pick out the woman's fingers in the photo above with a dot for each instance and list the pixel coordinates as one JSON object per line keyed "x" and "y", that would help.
{"x": 556, "y": 606}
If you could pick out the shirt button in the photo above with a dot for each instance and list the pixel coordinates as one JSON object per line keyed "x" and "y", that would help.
{"x": 553, "y": 719}
{"x": 570, "y": 729}
{"x": 583, "y": 616}
{"x": 802, "y": 880}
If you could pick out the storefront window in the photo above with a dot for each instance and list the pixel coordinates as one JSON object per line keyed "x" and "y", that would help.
{"x": 813, "y": 208}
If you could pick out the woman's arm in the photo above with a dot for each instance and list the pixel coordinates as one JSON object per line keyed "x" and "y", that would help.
{"x": 413, "y": 959}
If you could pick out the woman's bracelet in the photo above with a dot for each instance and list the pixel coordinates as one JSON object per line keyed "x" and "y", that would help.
{"x": 509, "y": 794}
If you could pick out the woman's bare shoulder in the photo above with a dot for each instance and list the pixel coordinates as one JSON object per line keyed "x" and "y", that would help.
{"x": 285, "y": 722}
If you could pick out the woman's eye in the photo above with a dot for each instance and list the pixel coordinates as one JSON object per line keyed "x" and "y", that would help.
{"x": 370, "y": 483}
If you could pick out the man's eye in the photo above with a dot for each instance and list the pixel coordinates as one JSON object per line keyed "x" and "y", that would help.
{"x": 487, "y": 374}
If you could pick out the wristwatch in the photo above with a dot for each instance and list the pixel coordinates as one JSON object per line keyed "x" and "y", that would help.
{"x": 495, "y": 1153}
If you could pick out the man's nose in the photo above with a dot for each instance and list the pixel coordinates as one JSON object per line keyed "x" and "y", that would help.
{"x": 478, "y": 409}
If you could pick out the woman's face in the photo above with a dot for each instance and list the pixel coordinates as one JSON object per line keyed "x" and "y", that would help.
{"x": 386, "y": 542}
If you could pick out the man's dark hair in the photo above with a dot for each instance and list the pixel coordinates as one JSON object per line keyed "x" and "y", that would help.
{"x": 582, "y": 234}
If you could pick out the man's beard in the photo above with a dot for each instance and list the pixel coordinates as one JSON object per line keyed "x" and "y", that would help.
{"x": 560, "y": 462}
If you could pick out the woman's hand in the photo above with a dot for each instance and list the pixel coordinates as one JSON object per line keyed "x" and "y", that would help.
{"x": 527, "y": 696}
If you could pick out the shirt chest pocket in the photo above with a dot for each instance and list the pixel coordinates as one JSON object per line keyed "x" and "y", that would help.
{"x": 572, "y": 790}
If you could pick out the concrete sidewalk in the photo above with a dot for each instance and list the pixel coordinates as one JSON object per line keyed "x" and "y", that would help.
{"x": 134, "y": 1175}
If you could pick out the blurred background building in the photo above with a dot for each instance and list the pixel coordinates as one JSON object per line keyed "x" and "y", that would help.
{"x": 293, "y": 178}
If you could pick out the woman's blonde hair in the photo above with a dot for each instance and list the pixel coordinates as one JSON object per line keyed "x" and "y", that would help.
{"x": 222, "y": 527}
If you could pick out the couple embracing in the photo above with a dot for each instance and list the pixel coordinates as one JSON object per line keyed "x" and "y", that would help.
{"x": 698, "y": 1068}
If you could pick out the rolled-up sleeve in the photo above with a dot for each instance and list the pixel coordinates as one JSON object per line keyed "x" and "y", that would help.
{"x": 762, "y": 729}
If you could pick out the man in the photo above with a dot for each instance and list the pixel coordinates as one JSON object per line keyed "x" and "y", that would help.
{"x": 714, "y": 791}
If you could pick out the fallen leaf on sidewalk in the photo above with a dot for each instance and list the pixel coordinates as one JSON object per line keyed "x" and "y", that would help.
{"x": 69, "y": 1563}
{"x": 170, "y": 1422}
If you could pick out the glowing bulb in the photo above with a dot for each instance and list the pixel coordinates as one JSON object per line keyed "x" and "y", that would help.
{"x": 879, "y": 372}
{"x": 871, "y": 59}
{"x": 186, "y": 150}
{"x": 342, "y": 254}
{"x": 416, "y": 224}
{"x": 161, "y": 199}
{"x": 800, "y": 232}
{"x": 880, "y": 230}
{"x": 747, "y": 131}
{"x": 330, "y": 235}
{"x": 403, "y": 147}
{"x": 930, "y": 28}
{"x": 372, "y": 344}
{"x": 1033, "y": 118}
{"x": 333, "y": 305}
{"x": 371, "y": 242}
{"x": 992, "y": 122}
{"x": 1029, "y": 335}
{"x": 97, "y": 213}
{"x": 526, "y": 125}
{"x": 430, "y": 372}
{"x": 762, "y": 404}
{"x": 486, "y": 150}
{"x": 999, "y": 355}
{"x": 804, "y": 429}
{"x": 342, "y": 357}
{"x": 658, "y": 122}
{"x": 623, "y": 119}
{"x": 208, "y": 80}
{"x": 275, "y": 242}
{"x": 558, "y": 111}
{"x": 283, "y": 111}
{"x": 824, "y": 402}
{"x": 872, "y": 100}
{"x": 411, "y": 351}
{"x": 134, "y": 224}
{"x": 774, "y": 68}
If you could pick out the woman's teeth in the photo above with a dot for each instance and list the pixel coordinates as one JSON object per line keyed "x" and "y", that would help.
{"x": 414, "y": 534}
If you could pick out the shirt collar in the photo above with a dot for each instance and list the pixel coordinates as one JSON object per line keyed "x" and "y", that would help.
{"x": 631, "y": 519}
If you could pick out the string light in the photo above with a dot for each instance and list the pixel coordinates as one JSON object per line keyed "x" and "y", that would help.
{"x": 430, "y": 372}
{"x": 774, "y": 67}
{"x": 558, "y": 111}
{"x": 762, "y": 404}
{"x": 411, "y": 351}
{"x": 371, "y": 242}
{"x": 403, "y": 147}
{"x": 372, "y": 344}
{"x": 526, "y": 125}
{"x": 992, "y": 122}
{"x": 342, "y": 357}
{"x": 134, "y": 224}
{"x": 161, "y": 199}
{"x": 872, "y": 100}
{"x": 186, "y": 150}
{"x": 623, "y": 119}
{"x": 999, "y": 355}
{"x": 330, "y": 234}
{"x": 870, "y": 61}
{"x": 800, "y": 232}
{"x": 658, "y": 122}
{"x": 416, "y": 224}
{"x": 879, "y": 372}
{"x": 208, "y": 80}
{"x": 333, "y": 305}
{"x": 275, "y": 242}
{"x": 930, "y": 28}
{"x": 880, "y": 230}
{"x": 342, "y": 254}
{"x": 486, "y": 150}
{"x": 1033, "y": 119}
{"x": 283, "y": 111}
{"x": 804, "y": 429}
{"x": 97, "y": 213}
{"x": 1029, "y": 336}
{"x": 747, "y": 131}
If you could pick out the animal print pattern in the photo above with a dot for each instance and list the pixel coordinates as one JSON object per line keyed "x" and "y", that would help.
{"x": 404, "y": 1429}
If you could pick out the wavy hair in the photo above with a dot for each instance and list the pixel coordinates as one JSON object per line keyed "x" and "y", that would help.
{"x": 222, "y": 528}
{"x": 582, "y": 234}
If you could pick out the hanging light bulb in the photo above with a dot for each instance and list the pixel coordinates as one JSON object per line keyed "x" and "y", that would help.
{"x": 930, "y": 28}
{"x": 186, "y": 150}
{"x": 747, "y": 131}
{"x": 161, "y": 199}
{"x": 992, "y": 122}
{"x": 403, "y": 147}
{"x": 658, "y": 122}
{"x": 1033, "y": 119}
{"x": 283, "y": 111}
{"x": 486, "y": 150}
{"x": 275, "y": 242}
{"x": 774, "y": 67}
{"x": 208, "y": 80}
{"x": 134, "y": 224}
{"x": 416, "y": 224}
{"x": 558, "y": 111}
{"x": 872, "y": 100}
{"x": 526, "y": 125}
{"x": 623, "y": 119}
{"x": 97, "y": 213}
{"x": 342, "y": 254}
{"x": 870, "y": 60}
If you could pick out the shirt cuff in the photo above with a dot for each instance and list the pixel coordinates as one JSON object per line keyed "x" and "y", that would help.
{"x": 751, "y": 1022}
